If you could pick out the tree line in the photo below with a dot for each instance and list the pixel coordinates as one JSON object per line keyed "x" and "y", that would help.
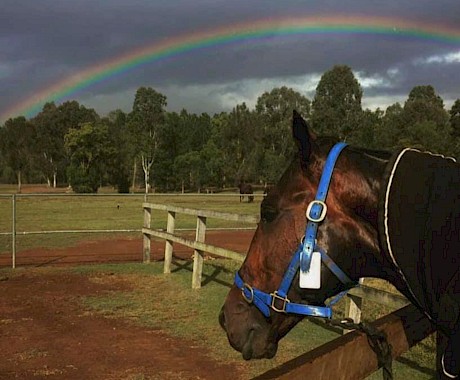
{"x": 149, "y": 147}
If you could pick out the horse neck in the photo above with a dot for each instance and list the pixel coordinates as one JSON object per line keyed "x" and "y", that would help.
{"x": 356, "y": 183}
{"x": 355, "y": 194}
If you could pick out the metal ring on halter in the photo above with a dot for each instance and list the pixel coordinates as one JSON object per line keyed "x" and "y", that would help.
{"x": 251, "y": 292}
{"x": 321, "y": 217}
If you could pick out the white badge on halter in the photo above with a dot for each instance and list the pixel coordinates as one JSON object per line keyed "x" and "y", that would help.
{"x": 311, "y": 279}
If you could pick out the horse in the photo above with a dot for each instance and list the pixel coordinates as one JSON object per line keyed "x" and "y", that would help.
{"x": 246, "y": 188}
{"x": 306, "y": 250}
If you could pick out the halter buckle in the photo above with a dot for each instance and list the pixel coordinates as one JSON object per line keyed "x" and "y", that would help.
{"x": 321, "y": 217}
{"x": 276, "y": 297}
{"x": 250, "y": 290}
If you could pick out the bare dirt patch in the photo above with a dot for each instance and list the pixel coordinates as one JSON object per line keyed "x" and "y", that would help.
{"x": 46, "y": 333}
{"x": 121, "y": 250}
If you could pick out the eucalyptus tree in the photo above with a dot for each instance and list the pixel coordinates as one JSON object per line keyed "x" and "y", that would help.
{"x": 236, "y": 140}
{"x": 392, "y": 127}
{"x": 89, "y": 150}
{"x": 119, "y": 164}
{"x": 146, "y": 121}
{"x": 426, "y": 122}
{"x": 273, "y": 146}
{"x": 17, "y": 145}
{"x": 336, "y": 107}
{"x": 52, "y": 124}
{"x": 454, "y": 118}
{"x": 50, "y": 141}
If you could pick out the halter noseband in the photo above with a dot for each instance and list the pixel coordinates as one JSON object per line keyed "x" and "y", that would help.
{"x": 316, "y": 212}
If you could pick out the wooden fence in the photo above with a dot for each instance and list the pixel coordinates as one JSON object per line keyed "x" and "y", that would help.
{"x": 198, "y": 244}
{"x": 352, "y": 354}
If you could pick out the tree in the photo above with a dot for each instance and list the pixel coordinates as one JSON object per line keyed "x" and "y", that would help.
{"x": 236, "y": 137}
{"x": 89, "y": 149}
{"x": 52, "y": 124}
{"x": 188, "y": 167}
{"x": 275, "y": 111}
{"x": 336, "y": 108}
{"x": 370, "y": 133}
{"x": 423, "y": 104}
{"x": 212, "y": 165}
{"x": 73, "y": 114}
{"x": 50, "y": 142}
{"x": 454, "y": 119}
{"x": 120, "y": 140}
{"x": 17, "y": 146}
{"x": 392, "y": 127}
{"x": 426, "y": 121}
{"x": 146, "y": 120}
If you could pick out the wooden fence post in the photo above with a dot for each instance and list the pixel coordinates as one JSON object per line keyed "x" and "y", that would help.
{"x": 353, "y": 307}
{"x": 147, "y": 237}
{"x": 169, "y": 243}
{"x": 198, "y": 255}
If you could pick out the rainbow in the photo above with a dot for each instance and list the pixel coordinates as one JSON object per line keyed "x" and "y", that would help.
{"x": 248, "y": 31}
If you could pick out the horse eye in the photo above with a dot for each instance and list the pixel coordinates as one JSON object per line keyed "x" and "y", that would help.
{"x": 268, "y": 214}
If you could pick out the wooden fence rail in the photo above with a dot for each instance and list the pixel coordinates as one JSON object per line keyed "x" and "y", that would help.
{"x": 350, "y": 356}
{"x": 198, "y": 244}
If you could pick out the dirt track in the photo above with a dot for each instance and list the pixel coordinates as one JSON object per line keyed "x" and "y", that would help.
{"x": 46, "y": 333}
{"x": 120, "y": 250}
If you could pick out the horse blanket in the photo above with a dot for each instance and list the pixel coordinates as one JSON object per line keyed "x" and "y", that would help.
{"x": 419, "y": 229}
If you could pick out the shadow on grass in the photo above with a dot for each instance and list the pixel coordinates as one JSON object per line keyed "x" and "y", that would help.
{"x": 412, "y": 364}
{"x": 208, "y": 278}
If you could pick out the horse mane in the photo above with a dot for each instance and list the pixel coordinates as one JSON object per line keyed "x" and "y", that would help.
{"x": 379, "y": 154}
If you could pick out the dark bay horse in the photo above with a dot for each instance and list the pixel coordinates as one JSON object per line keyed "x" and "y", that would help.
{"x": 246, "y": 189}
{"x": 355, "y": 234}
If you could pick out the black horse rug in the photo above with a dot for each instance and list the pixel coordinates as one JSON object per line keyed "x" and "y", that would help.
{"x": 419, "y": 228}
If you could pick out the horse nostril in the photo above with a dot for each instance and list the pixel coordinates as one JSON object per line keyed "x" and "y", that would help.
{"x": 247, "y": 349}
{"x": 222, "y": 319}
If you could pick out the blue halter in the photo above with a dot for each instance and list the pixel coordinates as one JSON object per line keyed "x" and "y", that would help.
{"x": 316, "y": 212}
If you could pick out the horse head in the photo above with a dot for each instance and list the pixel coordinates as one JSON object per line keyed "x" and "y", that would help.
{"x": 256, "y": 314}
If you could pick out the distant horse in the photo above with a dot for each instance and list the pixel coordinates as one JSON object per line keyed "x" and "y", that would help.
{"x": 267, "y": 188}
{"x": 246, "y": 189}
{"x": 395, "y": 217}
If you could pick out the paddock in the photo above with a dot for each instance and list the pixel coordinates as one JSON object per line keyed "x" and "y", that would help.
{"x": 49, "y": 329}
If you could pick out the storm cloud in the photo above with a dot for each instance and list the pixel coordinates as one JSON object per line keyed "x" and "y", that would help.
{"x": 44, "y": 42}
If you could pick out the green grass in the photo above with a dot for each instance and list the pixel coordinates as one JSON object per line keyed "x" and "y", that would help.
{"x": 73, "y": 212}
{"x": 169, "y": 303}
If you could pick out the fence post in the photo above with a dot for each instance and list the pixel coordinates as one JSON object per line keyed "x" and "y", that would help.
{"x": 13, "y": 233}
{"x": 169, "y": 244}
{"x": 353, "y": 307}
{"x": 198, "y": 255}
{"x": 147, "y": 237}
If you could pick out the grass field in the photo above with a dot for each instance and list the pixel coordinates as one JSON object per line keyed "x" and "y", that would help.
{"x": 59, "y": 212}
{"x": 195, "y": 314}
{"x": 64, "y": 212}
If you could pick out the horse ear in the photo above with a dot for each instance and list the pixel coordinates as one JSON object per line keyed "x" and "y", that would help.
{"x": 302, "y": 136}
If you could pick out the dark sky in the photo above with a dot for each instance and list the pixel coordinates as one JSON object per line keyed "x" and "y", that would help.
{"x": 43, "y": 42}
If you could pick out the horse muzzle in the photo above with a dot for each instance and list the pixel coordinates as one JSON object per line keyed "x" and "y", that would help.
{"x": 247, "y": 330}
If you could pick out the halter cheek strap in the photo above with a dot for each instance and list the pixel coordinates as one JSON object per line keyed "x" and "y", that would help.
{"x": 316, "y": 212}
